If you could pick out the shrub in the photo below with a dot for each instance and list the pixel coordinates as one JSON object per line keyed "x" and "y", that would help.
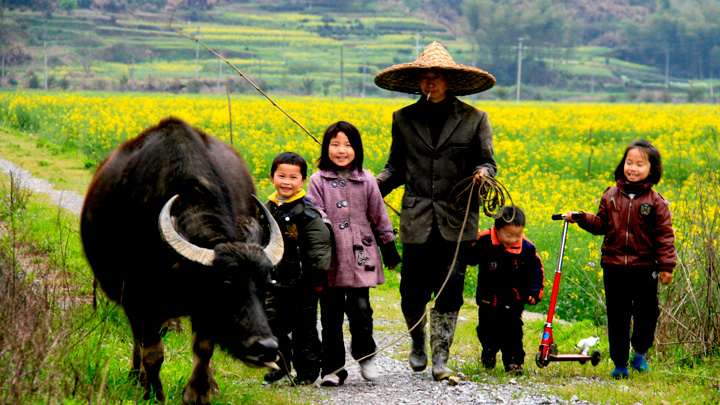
{"x": 33, "y": 82}
{"x": 695, "y": 95}
{"x": 690, "y": 319}
{"x": 194, "y": 86}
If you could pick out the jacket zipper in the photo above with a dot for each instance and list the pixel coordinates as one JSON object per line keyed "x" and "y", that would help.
{"x": 627, "y": 226}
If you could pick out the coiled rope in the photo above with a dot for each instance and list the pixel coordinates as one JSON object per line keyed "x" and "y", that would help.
{"x": 492, "y": 195}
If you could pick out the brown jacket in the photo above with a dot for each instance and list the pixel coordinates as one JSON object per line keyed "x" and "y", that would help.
{"x": 637, "y": 227}
{"x": 430, "y": 174}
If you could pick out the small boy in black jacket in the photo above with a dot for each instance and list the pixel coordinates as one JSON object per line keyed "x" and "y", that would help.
{"x": 510, "y": 274}
{"x": 292, "y": 300}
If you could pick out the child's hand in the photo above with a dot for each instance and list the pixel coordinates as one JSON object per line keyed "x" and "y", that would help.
{"x": 666, "y": 277}
{"x": 569, "y": 216}
{"x": 393, "y": 267}
{"x": 532, "y": 300}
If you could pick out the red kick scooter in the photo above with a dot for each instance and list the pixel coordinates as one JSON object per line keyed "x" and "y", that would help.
{"x": 548, "y": 349}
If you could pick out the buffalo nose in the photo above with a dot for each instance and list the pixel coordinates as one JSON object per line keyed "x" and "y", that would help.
{"x": 264, "y": 350}
{"x": 268, "y": 343}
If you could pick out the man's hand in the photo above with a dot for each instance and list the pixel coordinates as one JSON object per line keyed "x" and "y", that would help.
{"x": 532, "y": 300}
{"x": 666, "y": 277}
{"x": 479, "y": 175}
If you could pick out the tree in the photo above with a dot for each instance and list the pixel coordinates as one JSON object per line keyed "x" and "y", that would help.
{"x": 86, "y": 48}
{"x": 307, "y": 85}
{"x": 68, "y": 5}
{"x": 496, "y": 25}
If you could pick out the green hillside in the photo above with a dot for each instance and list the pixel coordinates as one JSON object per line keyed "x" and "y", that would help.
{"x": 288, "y": 47}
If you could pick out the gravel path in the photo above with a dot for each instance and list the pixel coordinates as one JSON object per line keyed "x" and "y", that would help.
{"x": 64, "y": 199}
{"x": 397, "y": 384}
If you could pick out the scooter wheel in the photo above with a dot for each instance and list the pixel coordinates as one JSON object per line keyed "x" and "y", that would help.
{"x": 540, "y": 361}
{"x": 595, "y": 359}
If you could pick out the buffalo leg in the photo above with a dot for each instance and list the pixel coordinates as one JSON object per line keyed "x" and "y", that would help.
{"x": 151, "y": 350}
{"x": 202, "y": 382}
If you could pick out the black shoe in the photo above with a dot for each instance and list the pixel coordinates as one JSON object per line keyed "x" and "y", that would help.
{"x": 488, "y": 359}
{"x": 515, "y": 369}
{"x": 275, "y": 375}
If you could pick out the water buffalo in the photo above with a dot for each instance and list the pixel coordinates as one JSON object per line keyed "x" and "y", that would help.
{"x": 169, "y": 228}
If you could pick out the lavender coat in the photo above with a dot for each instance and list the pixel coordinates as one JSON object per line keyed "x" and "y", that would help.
{"x": 355, "y": 209}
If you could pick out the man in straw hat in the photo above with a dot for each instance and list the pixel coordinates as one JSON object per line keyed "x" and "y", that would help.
{"x": 437, "y": 142}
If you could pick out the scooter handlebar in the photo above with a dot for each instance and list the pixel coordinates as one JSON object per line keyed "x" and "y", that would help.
{"x": 560, "y": 217}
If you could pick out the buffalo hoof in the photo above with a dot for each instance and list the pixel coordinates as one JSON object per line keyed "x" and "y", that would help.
{"x": 192, "y": 397}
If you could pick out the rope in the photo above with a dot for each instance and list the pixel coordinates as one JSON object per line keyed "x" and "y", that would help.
{"x": 432, "y": 302}
{"x": 239, "y": 73}
{"x": 492, "y": 195}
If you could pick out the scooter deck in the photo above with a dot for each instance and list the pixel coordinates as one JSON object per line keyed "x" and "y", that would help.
{"x": 568, "y": 357}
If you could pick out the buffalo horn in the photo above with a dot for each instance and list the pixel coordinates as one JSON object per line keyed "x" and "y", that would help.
{"x": 177, "y": 242}
{"x": 275, "y": 247}
{"x": 272, "y": 365}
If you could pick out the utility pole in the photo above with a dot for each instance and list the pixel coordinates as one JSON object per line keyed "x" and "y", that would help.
{"x": 45, "y": 54}
{"x": 712, "y": 98}
{"x": 197, "y": 50}
{"x": 219, "y": 75}
{"x": 364, "y": 70}
{"x": 284, "y": 69}
{"x": 417, "y": 44}
{"x": 667, "y": 67}
{"x": 474, "y": 64}
{"x": 519, "y": 70}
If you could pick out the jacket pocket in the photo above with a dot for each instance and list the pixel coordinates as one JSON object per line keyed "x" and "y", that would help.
{"x": 460, "y": 145}
{"x": 408, "y": 202}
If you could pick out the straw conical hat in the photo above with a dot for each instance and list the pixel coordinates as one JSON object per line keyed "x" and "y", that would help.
{"x": 405, "y": 77}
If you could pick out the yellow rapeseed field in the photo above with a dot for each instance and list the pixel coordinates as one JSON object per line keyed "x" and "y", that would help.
{"x": 551, "y": 157}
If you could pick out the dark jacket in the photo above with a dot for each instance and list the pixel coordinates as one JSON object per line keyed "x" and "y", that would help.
{"x": 430, "y": 173}
{"x": 636, "y": 222}
{"x": 506, "y": 277}
{"x": 308, "y": 244}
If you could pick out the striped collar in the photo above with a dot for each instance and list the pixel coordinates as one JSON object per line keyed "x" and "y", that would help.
{"x": 273, "y": 197}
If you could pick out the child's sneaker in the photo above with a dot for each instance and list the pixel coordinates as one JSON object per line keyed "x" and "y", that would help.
{"x": 515, "y": 369}
{"x": 639, "y": 364}
{"x": 330, "y": 380}
{"x": 369, "y": 370}
{"x": 620, "y": 372}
